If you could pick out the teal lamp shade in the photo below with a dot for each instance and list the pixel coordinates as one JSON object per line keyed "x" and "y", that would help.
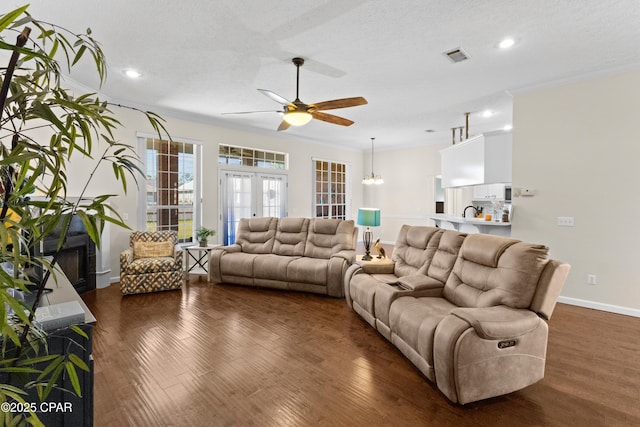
{"x": 369, "y": 217}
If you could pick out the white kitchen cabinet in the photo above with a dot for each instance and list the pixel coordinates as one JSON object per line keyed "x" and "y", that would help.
{"x": 488, "y": 191}
{"x": 484, "y": 159}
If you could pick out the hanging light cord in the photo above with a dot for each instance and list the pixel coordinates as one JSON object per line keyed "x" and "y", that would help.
{"x": 372, "y": 174}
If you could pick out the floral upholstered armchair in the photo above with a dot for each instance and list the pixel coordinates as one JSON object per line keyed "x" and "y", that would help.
{"x": 151, "y": 263}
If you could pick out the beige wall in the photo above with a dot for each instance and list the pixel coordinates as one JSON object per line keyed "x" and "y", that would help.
{"x": 408, "y": 193}
{"x": 299, "y": 174}
{"x": 578, "y": 146}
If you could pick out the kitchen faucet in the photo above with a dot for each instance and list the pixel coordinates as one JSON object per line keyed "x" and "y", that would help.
{"x": 476, "y": 211}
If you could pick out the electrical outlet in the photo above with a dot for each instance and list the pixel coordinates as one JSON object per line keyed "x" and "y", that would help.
{"x": 527, "y": 192}
{"x": 565, "y": 221}
{"x": 591, "y": 279}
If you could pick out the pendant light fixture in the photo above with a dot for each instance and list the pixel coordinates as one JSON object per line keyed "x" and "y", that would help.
{"x": 373, "y": 178}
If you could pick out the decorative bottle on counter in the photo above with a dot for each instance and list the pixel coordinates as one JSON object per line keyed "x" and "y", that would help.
{"x": 505, "y": 215}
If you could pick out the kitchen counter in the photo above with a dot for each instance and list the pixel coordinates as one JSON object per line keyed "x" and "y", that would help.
{"x": 472, "y": 225}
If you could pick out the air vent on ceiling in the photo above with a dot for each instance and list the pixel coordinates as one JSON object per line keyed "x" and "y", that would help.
{"x": 456, "y": 55}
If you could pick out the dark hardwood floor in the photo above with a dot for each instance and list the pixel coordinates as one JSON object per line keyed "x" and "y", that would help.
{"x": 223, "y": 355}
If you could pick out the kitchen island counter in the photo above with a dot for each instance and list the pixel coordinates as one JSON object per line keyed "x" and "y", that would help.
{"x": 472, "y": 225}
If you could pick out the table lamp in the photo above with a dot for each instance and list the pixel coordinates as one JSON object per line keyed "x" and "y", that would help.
{"x": 370, "y": 217}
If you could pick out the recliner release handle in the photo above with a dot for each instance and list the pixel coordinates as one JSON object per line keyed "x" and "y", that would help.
{"x": 507, "y": 344}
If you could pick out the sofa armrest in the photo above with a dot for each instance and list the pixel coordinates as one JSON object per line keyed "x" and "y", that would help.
{"x": 337, "y": 268}
{"x": 485, "y": 352}
{"x": 500, "y": 322}
{"x": 351, "y": 271}
{"x": 348, "y": 255}
{"x": 418, "y": 282}
{"x": 214, "y": 260}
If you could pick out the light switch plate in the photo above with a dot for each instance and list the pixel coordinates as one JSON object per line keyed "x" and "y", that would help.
{"x": 565, "y": 221}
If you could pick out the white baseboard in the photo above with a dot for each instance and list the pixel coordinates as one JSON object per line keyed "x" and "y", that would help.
{"x": 600, "y": 306}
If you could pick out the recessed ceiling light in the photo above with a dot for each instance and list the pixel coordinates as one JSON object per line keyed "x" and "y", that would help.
{"x": 507, "y": 127}
{"x": 506, "y": 43}
{"x": 487, "y": 113}
{"x": 133, "y": 74}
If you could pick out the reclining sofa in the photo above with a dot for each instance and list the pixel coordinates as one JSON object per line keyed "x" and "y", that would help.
{"x": 468, "y": 311}
{"x": 301, "y": 254}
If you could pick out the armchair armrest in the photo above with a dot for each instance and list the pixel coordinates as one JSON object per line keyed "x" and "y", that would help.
{"x": 126, "y": 258}
{"x": 178, "y": 257}
{"x": 500, "y": 322}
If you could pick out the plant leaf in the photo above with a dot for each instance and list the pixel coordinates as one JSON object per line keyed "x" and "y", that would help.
{"x": 8, "y": 18}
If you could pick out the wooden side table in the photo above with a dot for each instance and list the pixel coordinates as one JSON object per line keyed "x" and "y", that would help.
{"x": 200, "y": 257}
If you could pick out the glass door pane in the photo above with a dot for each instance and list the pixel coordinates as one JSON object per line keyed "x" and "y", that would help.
{"x": 248, "y": 195}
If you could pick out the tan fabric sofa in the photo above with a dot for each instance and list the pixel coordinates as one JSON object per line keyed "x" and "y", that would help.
{"x": 468, "y": 311}
{"x": 301, "y": 254}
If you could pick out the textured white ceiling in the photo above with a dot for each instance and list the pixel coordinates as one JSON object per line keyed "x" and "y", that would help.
{"x": 200, "y": 58}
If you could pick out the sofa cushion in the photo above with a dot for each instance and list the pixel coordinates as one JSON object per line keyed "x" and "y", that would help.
{"x": 444, "y": 258}
{"x": 308, "y": 270}
{"x": 329, "y": 236}
{"x": 291, "y": 236}
{"x": 414, "y": 248}
{"x": 493, "y": 270}
{"x": 151, "y": 265}
{"x": 237, "y": 264}
{"x": 271, "y": 267}
{"x": 256, "y": 235}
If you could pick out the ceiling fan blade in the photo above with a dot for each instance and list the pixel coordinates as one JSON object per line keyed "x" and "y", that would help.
{"x": 252, "y": 112}
{"x": 330, "y": 118}
{"x": 340, "y": 103}
{"x": 283, "y": 126}
{"x": 274, "y": 96}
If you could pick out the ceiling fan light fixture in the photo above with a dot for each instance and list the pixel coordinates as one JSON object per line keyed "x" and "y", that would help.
{"x": 297, "y": 118}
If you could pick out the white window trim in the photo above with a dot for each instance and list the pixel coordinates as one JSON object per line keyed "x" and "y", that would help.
{"x": 141, "y": 219}
{"x": 348, "y": 186}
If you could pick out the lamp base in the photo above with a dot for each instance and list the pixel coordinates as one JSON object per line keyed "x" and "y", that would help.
{"x": 367, "y": 237}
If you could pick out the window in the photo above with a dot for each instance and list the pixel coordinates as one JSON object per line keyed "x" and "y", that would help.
{"x": 242, "y": 156}
{"x": 331, "y": 190}
{"x": 171, "y": 186}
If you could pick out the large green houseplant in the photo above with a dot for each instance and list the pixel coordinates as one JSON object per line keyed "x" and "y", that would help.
{"x": 32, "y": 104}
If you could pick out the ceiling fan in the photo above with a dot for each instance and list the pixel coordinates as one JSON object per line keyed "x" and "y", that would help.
{"x": 297, "y": 113}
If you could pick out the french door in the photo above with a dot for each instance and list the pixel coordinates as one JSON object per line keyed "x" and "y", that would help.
{"x": 247, "y": 195}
